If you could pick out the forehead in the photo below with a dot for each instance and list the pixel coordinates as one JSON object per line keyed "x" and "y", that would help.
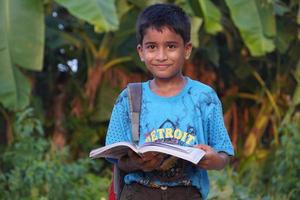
{"x": 164, "y": 34}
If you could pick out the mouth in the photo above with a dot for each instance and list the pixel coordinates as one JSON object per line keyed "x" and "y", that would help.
{"x": 161, "y": 66}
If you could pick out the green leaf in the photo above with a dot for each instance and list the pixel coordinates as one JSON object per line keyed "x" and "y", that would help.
{"x": 256, "y": 23}
{"x": 267, "y": 15}
{"x": 286, "y": 33}
{"x": 122, "y": 8}
{"x": 212, "y": 17}
{"x": 102, "y": 14}
{"x": 14, "y": 87}
{"x": 22, "y": 26}
{"x": 196, "y": 8}
{"x": 296, "y": 96}
{"x": 138, "y": 3}
{"x": 196, "y": 23}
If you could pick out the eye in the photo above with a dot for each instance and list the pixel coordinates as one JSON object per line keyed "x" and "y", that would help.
{"x": 150, "y": 46}
{"x": 172, "y": 46}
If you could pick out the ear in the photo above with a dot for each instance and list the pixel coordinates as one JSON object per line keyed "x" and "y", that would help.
{"x": 188, "y": 50}
{"x": 139, "y": 49}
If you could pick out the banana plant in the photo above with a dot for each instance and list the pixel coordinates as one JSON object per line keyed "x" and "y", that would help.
{"x": 22, "y": 32}
{"x": 23, "y": 50}
{"x": 257, "y": 27}
{"x": 95, "y": 49}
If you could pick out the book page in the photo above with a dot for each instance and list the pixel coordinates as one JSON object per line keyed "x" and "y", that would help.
{"x": 115, "y": 150}
{"x": 190, "y": 154}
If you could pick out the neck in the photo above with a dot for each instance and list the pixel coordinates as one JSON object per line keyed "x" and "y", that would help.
{"x": 166, "y": 87}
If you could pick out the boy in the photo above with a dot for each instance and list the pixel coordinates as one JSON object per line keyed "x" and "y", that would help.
{"x": 175, "y": 109}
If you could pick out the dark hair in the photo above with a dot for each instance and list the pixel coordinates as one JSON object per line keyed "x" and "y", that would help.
{"x": 161, "y": 15}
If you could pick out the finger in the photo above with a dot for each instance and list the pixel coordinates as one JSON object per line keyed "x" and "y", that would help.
{"x": 133, "y": 155}
{"x": 203, "y": 147}
{"x": 152, "y": 164}
{"x": 130, "y": 153}
{"x": 149, "y": 156}
{"x": 206, "y": 148}
{"x": 136, "y": 159}
{"x": 203, "y": 165}
{"x": 204, "y": 162}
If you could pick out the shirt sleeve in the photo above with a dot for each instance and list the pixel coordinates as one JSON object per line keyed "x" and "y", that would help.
{"x": 119, "y": 125}
{"x": 218, "y": 137}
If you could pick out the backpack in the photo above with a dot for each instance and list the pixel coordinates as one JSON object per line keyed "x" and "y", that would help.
{"x": 134, "y": 99}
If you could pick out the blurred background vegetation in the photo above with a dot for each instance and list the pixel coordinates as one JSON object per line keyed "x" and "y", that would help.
{"x": 63, "y": 63}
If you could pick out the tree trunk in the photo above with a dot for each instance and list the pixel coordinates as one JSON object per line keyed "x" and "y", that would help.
{"x": 59, "y": 135}
{"x": 92, "y": 84}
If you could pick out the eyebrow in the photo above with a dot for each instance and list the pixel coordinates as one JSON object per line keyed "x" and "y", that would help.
{"x": 168, "y": 42}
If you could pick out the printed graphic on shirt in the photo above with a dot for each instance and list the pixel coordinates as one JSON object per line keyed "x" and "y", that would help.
{"x": 171, "y": 134}
{"x": 166, "y": 134}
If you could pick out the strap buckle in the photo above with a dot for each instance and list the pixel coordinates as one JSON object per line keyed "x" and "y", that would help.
{"x": 163, "y": 187}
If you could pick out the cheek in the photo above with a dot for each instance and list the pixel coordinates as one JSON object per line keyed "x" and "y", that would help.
{"x": 177, "y": 56}
{"x": 149, "y": 56}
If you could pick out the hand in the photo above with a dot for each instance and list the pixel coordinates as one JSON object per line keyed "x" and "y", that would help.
{"x": 147, "y": 162}
{"x": 212, "y": 159}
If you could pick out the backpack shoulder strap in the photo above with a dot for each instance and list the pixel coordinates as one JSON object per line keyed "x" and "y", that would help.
{"x": 134, "y": 99}
{"x": 118, "y": 181}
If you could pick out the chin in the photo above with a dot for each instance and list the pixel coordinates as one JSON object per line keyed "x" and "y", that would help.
{"x": 164, "y": 76}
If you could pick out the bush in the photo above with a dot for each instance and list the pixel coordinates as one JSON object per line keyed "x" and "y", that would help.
{"x": 272, "y": 177}
{"x": 285, "y": 167}
{"x": 30, "y": 170}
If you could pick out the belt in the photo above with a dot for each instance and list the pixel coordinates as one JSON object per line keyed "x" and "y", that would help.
{"x": 162, "y": 187}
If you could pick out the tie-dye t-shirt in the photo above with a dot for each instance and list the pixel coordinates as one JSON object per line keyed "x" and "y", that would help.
{"x": 193, "y": 116}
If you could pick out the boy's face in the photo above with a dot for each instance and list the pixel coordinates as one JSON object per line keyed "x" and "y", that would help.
{"x": 164, "y": 52}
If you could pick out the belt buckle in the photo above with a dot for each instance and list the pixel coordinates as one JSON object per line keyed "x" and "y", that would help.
{"x": 163, "y": 187}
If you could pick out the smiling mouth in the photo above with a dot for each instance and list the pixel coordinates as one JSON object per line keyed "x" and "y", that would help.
{"x": 161, "y": 66}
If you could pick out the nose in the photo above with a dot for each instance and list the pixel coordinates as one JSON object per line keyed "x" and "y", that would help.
{"x": 161, "y": 54}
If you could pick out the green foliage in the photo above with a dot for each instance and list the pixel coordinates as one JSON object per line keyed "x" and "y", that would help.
{"x": 256, "y": 26}
{"x": 19, "y": 47}
{"x": 275, "y": 177}
{"x": 29, "y": 170}
{"x": 14, "y": 88}
{"x": 25, "y": 47}
{"x": 212, "y": 17}
{"x": 285, "y": 175}
{"x": 101, "y": 14}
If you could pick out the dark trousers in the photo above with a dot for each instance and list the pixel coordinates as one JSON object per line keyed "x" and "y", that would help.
{"x": 137, "y": 191}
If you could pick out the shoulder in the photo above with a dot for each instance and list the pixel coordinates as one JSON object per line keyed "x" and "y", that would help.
{"x": 122, "y": 98}
{"x": 202, "y": 92}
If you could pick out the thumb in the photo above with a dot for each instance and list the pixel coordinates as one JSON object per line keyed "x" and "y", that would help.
{"x": 203, "y": 147}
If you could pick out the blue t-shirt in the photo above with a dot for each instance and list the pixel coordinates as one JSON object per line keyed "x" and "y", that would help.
{"x": 193, "y": 116}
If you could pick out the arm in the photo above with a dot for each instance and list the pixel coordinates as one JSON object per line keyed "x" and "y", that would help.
{"x": 212, "y": 160}
{"x": 133, "y": 162}
{"x": 217, "y": 137}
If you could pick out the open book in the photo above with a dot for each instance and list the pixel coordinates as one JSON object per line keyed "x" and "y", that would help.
{"x": 119, "y": 149}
